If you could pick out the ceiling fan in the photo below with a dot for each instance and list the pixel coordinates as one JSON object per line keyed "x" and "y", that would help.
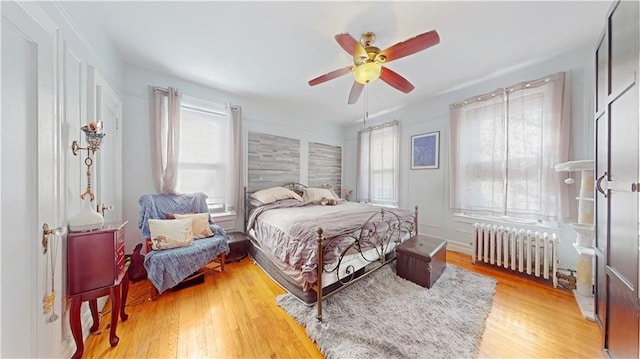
{"x": 368, "y": 60}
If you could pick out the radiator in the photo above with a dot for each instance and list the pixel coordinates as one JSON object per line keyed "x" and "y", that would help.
{"x": 525, "y": 251}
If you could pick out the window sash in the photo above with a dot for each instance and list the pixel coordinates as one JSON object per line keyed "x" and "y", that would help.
{"x": 378, "y": 165}
{"x": 203, "y": 160}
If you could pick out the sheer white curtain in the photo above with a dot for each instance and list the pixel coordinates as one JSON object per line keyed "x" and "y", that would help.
{"x": 235, "y": 189}
{"x": 377, "y": 177}
{"x": 165, "y": 130}
{"x": 477, "y": 155}
{"x": 504, "y": 146}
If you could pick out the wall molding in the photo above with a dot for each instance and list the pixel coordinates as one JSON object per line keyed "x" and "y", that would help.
{"x": 92, "y": 53}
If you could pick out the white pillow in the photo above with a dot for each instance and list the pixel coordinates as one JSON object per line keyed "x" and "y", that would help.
{"x": 201, "y": 227}
{"x": 316, "y": 195}
{"x": 170, "y": 233}
{"x": 273, "y": 194}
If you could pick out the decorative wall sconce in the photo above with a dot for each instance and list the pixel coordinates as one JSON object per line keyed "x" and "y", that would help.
{"x": 88, "y": 219}
{"x": 93, "y": 135}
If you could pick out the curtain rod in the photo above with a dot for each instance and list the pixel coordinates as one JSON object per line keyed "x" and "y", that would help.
{"x": 204, "y": 110}
{"x": 386, "y": 124}
{"x": 160, "y": 89}
{"x": 519, "y": 86}
{"x": 166, "y": 91}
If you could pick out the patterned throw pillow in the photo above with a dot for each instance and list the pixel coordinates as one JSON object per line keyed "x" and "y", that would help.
{"x": 170, "y": 233}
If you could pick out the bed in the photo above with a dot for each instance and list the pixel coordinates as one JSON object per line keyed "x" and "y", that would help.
{"x": 289, "y": 237}
{"x": 169, "y": 267}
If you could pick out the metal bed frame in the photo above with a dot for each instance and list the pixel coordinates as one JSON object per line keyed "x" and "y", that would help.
{"x": 382, "y": 232}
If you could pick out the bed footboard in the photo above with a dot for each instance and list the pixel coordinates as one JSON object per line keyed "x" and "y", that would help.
{"x": 374, "y": 242}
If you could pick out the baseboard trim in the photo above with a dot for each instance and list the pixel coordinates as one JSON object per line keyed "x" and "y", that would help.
{"x": 454, "y": 246}
{"x": 463, "y": 248}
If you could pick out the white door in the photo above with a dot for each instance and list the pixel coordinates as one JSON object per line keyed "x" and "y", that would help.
{"x": 29, "y": 183}
{"x": 107, "y": 107}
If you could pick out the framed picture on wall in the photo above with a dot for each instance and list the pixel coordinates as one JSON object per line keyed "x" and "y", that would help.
{"x": 425, "y": 151}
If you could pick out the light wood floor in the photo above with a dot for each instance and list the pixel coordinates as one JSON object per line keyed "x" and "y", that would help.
{"x": 234, "y": 315}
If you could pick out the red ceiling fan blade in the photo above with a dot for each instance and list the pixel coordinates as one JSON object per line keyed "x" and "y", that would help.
{"x": 356, "y": 90}
{"x": 351, "y": 45}
{"x": 411, "y": 46}
{"x": 396, "y": 81}
{"x": 330, "y": 76}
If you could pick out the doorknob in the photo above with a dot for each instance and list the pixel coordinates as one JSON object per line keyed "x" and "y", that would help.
{"x": 598, "y": 185}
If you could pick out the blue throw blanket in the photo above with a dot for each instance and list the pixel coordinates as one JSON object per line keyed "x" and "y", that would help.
{"x": 157, "y": 206}
{"x": 166, "y": 268}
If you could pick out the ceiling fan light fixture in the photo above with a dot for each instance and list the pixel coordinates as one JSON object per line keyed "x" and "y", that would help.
{"x": 368, "y": 60}
{"x": 367, "y": 72}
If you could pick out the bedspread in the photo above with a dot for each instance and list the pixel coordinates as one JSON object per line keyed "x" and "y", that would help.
{"x": 289, "y": 231}
{"x": 166, "y": 268}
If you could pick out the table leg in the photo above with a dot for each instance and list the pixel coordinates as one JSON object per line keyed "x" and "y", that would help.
{"x": 93, "y": 306}
{"x": 115, "y": 308}
{"x": 76, "y": 326}
{"x": 125, "y": 290}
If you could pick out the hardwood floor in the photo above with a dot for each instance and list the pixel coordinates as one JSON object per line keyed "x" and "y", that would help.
{"x": 234, "y": 315}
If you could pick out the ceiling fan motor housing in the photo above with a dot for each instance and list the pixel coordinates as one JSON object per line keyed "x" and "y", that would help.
{"x": 372, "y": 52}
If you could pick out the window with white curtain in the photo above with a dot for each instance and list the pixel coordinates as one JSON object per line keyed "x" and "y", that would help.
{"x": 204, "y": 155}
{"x": 377, "y": 180}
{"x": 504, "y": 147}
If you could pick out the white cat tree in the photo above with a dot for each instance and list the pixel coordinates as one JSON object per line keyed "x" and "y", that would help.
{"x": 585, "y": 230}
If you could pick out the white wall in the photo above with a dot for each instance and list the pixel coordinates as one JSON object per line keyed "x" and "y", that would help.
{"x": 429, "y": 189}
{"x": 256, "y": 117}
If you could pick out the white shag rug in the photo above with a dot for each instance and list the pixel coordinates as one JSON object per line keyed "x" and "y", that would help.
{"x": 385, "y": 316}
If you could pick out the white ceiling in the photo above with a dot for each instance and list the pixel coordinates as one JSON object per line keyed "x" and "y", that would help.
{"x": 268, "y": 51}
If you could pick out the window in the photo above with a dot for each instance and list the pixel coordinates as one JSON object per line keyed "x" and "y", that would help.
{"x": 203, "y": 151}
{"x": 378, "y": 164}
{"x": 504, "y": 147}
